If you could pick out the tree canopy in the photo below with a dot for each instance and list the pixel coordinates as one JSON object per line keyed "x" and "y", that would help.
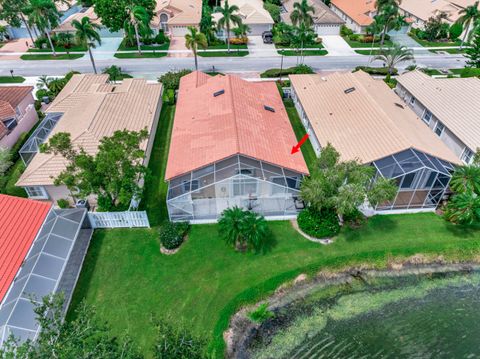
{"x": 473, "y": 52}
{"x": 114, "y": 13}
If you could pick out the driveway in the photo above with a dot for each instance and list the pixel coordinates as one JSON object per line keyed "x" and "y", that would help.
{"x": 17, "y": 45}
{"x": 107, "y": 49}
{"x": 178, "y": 44}
{"x": 337, "y": 46}
{"x": 405, "y": 40}
{"x": 257, "y": 48}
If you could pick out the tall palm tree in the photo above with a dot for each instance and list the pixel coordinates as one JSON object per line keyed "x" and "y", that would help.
{"x": 470, "y": 15}
{"x": 241, "y": 30}
{"x": 44, "y": 15}
{"x": 302, "y": 13}
{"x": 393, "y": 56}
{"x": 391, "y": 19}
{"x": 66, "y": 40}
{"x": 137, "y": 18}
{"x": 193, "y": 40}
{"x": 87, "y": 33}
{"x": 228, "y": 19}
{"x": 301, "y": 35}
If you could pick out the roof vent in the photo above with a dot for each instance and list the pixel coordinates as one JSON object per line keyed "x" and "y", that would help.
{"x": 349, "y": 90}
{"x": 399, "y": 105}
{"x": 268, "y": 108}
{"x": 218, "y": 93}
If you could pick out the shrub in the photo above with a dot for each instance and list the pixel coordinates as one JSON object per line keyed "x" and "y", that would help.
{"x": 375, "y": 70}
{"x": 354, "y": 219}
{"x": 39, "y": 42}
{"x": 296, "y": 70}
{"x": 345, "y": 31}
{"x": 40, "y": 94}
{"x": 172, "y": 234}
{"x": 260, "y": 314}
{"x": 160, "y": 38}
{"x": 239, "y": 40}
{"x": 470, "y": 72}
{"x": 171, "y": 79}
{"x": 455, "y": 31}
{"x": 147, "y": 40}
{"x": 63, "y": 203}
{"x": 354, "y": 37}
{"x": 169, "y": 96}
{"x": 319, "y": 224}
{"x": 273, "y": 9}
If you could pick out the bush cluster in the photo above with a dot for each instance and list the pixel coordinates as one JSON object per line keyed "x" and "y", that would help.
{"x": 319, "y": 224}
{"x": 172, "y": 234}
{"x": 239, "y": 40}
{"x": 296, "y": 70}
{"x": 261, "y": 314}
{"x": 171, "y": 79}
{"x": 470, "y": 72}
{"x": 63, "y": 203}
{"x": 376, "y": 70}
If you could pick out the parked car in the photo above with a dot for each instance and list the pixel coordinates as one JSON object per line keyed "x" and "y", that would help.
{"x": 267, "y": 37}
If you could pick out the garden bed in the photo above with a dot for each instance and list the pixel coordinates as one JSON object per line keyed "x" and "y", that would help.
{"x": 60, "y": 49}
{"x": 136, "y": 55}
{"x": 124, "y": 47}
{"x": 360, "y": 44}
{"x": 232, "y": 53}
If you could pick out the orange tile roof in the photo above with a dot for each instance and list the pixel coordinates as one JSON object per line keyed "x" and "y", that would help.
{"x": 14, "y": 94}
{"x": 209, "y": 128}
{"x": 357, "y": 10}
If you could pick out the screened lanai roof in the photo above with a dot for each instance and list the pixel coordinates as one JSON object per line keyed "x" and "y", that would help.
{"x": 40, "y": 273}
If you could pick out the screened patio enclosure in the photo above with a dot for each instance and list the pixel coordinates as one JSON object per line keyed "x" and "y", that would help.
{"x": 236, "y": 181}
{"x": 422, "y": 179}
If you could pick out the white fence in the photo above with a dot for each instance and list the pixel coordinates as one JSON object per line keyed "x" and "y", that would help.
{"x": 118, "y": 219}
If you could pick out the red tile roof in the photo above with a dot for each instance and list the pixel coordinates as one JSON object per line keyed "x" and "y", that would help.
{"x": 209, "y": 128}
{"x": 14, "y": 94}
{"x": 20, "y": 221}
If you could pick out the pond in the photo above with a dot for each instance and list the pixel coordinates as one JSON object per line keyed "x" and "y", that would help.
{"x": 412, "y": 316}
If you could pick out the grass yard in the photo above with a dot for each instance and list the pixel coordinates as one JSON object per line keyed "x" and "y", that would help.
{"x": 136, "y": 55}
{"x": 225, "y": 47}
{"x": 60, "y": 49}
{"x": 305, "y": 53}
{"x": 359, "y": 44}
{"x": 123, "y": 47}
{"x": 11, "y": 80}
{"x": 232, "y": 53}
{"x": 426, "y": 43}
{"x": 450, "y": 51}
{"x": 368, "y": 52}
{"x": 51, "y": 57}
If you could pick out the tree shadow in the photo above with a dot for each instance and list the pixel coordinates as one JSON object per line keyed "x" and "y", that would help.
{"x": 462, "y": 231}
{"x": 381, "y": 224}
{"x": 269, "y": 243}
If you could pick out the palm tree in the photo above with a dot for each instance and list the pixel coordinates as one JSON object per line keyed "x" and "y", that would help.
{"x": 463, "y": 208}
{"x": 43, "y": 82}
{"x": 66, "y": 40}
{"x": 137, "y": 17}
{"x": 466, "y": 179}
{"x": 43, "y": 14}
{"x": 228, "y": 18}
{"x": 255, "y": 230}
{"x": 114, "y": 73}
{"x": 193, "y": 40}
{"x": 390, "y": 18}
{"x": 470, "y": 15}
{"x": 393, "y": 56}
{"x": 241, "y": 30}
{"x": 86, "y": 33}
{"x": 301, "y": 13}
{"x": 301, "y": 35}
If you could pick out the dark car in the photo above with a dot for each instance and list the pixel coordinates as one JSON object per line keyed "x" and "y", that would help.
{"x": 267, "y": 37}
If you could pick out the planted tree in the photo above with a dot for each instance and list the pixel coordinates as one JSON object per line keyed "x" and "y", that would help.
{"x": 44, "y": 15}
{"x": 13, "y": 13}
{"x": 469, "y": 15}
{"x": 302, "y": 13}
{"x": 114, "y": 13}
{"x": 301, "y": 36}
{"x": 393, "y": 56}
{"x": 344, "y": 186}
{"x": 138, "y": 18}
{"x": 193, "y": 40}
{"x": 112, "y": 174}
{"x": 473, "y": 52}
{"x": 5, "y": 160}
{"x": 390, "y": 19}
{"x": 66, "y": 40}
{"x": 243, "y": 229}
{"x": 114, "y": 73}
{"x": 228, "y": 18}
{"x": 87, "y": 34}
{"x": 241, "y": 30}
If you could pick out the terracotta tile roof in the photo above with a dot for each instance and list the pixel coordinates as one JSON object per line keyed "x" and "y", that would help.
{"x": 424, "y": 9}
{"x": 368, "y": 123}
{"x": 455, "y": 102}
{"x": 251, "y": 12}
{"x": 6, "y": 110}
{"x": 358, "y": 10}
{"x": 14, "y": 94}
{"x": 89, "y": 115}
{"x": 67, "y": 26}
{"x": 209, "y": 128}
{"x": 20, "y": 221}
{"x": 322, "y": 15}
{"x": 181, "y": 12}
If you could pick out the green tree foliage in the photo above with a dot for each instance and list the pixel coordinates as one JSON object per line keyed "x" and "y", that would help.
{"x": 273, "y": 10}
{"x": 344, "y": 186}
{"x": 388, "y": 18}
{"x": 114, "y": 73}
{"x": 302, "y": 13}
{"x": 5, "y": 161}
{"x": 84, "y": 337}
{"x": 138, "y": 19}
{"x": 243, "y": 229}
{"x": 13, "y": 13}
{"x": 206, "y": 22}
{"x": 193, "y": 40}
{"x": 171, "y": 79}
{"x": 302, "y": 35}
{"x": 436, "y": 28}
{"x": 470, "y": 15}
{"x": 44, "y": 15}
{"x": 229, "y": 18}
{"x": 393, "y": 56}
{"x": 87, "y": 34}
{"x": 114, "y": 13}
{"x": 455, "y": 31}
{"x": 473, "y": 53}
{"x": 112, "y": 174}
{"x": 66, "y": 40}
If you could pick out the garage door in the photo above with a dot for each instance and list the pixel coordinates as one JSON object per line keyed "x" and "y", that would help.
{"x": 259, "y": 29}
{"x": 327, "y": 30}
{"x": 179, "y": 30}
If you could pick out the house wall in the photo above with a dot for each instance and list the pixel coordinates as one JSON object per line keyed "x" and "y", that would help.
{"x": 26, "y": 119}
{"x": 447, "y": 136}
{"x": 349, "y": 22}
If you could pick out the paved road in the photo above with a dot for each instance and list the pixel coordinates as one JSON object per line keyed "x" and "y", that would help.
{"x": 154, "y": 67}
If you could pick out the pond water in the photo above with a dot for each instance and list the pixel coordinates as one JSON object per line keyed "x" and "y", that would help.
{"x": 434, "y": 316}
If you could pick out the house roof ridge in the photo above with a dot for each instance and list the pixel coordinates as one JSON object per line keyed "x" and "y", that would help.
{"x": 234, "y": 112}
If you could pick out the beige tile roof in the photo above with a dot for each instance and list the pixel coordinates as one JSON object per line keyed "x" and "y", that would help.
{"x": 181, "y": 12}
{"x": 424, "y": 9}
{"x": 251, "y": 12}
{"x": 66, "y": 25}
{"x": 368, "y": 123}
{"x": 455, "y": 102}
{"x": 322, "y": 14}
{"x": 89, "y": 115}
{"x": 358, "y": 10}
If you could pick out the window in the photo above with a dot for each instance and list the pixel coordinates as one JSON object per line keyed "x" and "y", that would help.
{"x": 439, "y": 129}
{"x": 412, "y": 100}
{"x": 244, "y": 187}
{"x": 36, "y": 192}
{"x": 10, "y": 124}
{"x": 194, "y": 183}
{"x": 293, "y": 182}
{"x": 408, "y": 180}
{"x": 427, "y": 116}
{"x": 467, "y": 156}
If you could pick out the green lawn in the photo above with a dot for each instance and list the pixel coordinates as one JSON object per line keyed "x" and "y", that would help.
{"x": 225, "y": 47}
{"x": 450, "y": 51}
{"x": 135, "y": 55}
{"x": 123, "y": 47}
{"x": 232, "y": 53}
{"x": 305, "y": 53}
{"x": 368, "y": 52}
{"x": 11, "y": 80}
{"x": 60, "y": 49}
{"x": 359, "y": 44}
{"x": 426, "y": 43}
{"x": 51, "y": 57}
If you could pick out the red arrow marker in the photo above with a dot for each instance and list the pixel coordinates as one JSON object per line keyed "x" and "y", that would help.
{"x": 296, "y": 148}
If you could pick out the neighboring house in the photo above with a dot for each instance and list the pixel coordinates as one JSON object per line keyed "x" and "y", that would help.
{"x": 325, "y": 21}
{"x": 449, "y": 107}
{"x": 231, "y": 146}
{"x": 363, "y": 119}
{"x": 357, "y": 14}
{"x": 89, "y": 108}
{"x": 419, "y": 11}
{"x": 175, "y": 16}
{"x": 42, "y": 251}
{"x": 252, "y": 14}
{"x": 17, "y": 113}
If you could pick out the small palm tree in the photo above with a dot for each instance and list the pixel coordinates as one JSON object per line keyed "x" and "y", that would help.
{"x": 470, "y": 15}
{"x": 302, "y": 13}
{"x": 43, "y": 82}
{"x": 241, "y": 30}
{"x": 66, "y": 40}
{"x": 255, "y": 230}
{"x": 393, "y": 56}
{"x": 228, "y": 19}
{"x": 193, "y": 40}
{"x": 87, "y": 33}
{"x": 301, "y": 36}
{"x": 137, "y": 18}
{"x": 463, "y": 208}
{"x": 114, "y": 73}
{"x": 44, "y": 15}
{"x": 466, "y": 179}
